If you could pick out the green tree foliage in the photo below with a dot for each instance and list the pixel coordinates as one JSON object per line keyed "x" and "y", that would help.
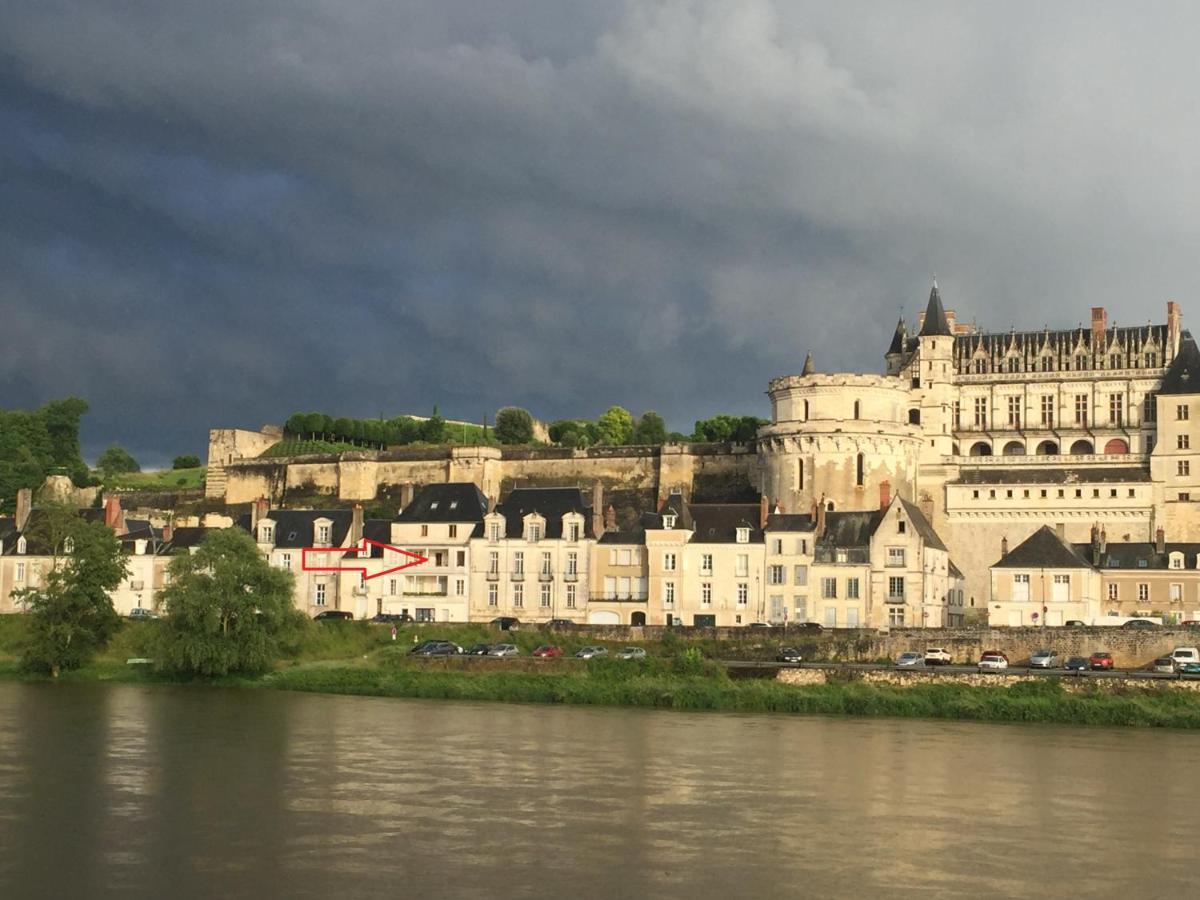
{"x": 228, "y": 609}
{"x": 187, "y": 461}
{"x": 116, "y": 461}
{"x": 650, "y": 429}
{"x": 615, "y": 426}
{"x": 71, "y": 615}
{"x": 728, "y": 428}
{"x": 513, "y": 425}
{"x": 35, "y": 444}
{"x": 433, "y": 429}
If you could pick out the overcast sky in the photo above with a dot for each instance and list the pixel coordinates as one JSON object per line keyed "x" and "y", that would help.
{"x": 217, "y": 213}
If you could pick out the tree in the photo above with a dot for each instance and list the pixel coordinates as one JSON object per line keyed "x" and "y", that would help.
{"x": 71, "y": 614}
{"x": 62, "y": 426}
{"x": 513, "y": 425}
{"x": 228, "y": 609}
{"x": 187, "y": 461}
{"x": 615, "y": 426}
{"x": 117, "y": 460}
{"x": 433, "y": 429}
{"x": 650, "y": 429}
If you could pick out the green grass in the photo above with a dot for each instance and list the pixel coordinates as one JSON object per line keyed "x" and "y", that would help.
{"x": 303, "y": 448}
{"x": 164, "y": 480}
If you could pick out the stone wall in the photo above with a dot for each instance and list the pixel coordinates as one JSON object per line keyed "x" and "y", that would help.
{"x": 911, "y": 678}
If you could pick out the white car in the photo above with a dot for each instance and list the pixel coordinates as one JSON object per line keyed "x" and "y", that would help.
{"x": 504, "y": 650}
{"x": 910, "y": 658}
{"x": 592, "y": 652}
{"x": 993, "y": 660}
{"x": 936, "y": 656}
{"x": 632, "y": 653}
{"x": 1044, "y": 659}
{"x": 1182, "y": 655}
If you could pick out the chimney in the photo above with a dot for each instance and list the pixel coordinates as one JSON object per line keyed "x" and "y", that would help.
{"x": 779, "y": 510}
{"x": 820, "y": 519}
{"x": 114, "y": 516}
{"x": 1099, "y": 323}
{"x": 167, "y": 531}
{"x": 1060, "y": 528}
{"x": 356, "y": 525}
{"x": 406, "y": 494}
{"x": 1003, "y": 547}
{"x": 764, "y": 508}
{"x": 24, "y": 505}
{"x": 1160, "y": 540}
{"x": 885, "y": 494}
{"x": 610, "y": 518}
{"x": 1174, "y": 327}
{"x": 262, "y": 506}
{"x": 597, "y": 509}
{"x": 1103, "y": 539}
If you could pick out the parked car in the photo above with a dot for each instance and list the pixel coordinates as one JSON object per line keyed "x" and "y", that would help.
{"x": 1100, "y": 660}
{"x": 910, "y": 658}
{"x": 1141, "y": 623}
{"x": 547, "y": 650}
{"x": 1075, "y": 623}
{"x": 993, "y": 659}
{"x": 333, "y": 615}
{"x": 505, "y": 650}
{"x": 632, "y": 653}
{"x": 788, "y": 655}
{"x": 592, "y": 652}
{"x": 478, "y": 650}
{"x": 417, "y": 648}
{"x": 1164, "y": 664}
{"x": 1076, "y": 664}
{"x": 391, "y": 617}
{"x": 936, "y": 656}
{"x": 811, "y": 627}
{"x": 758, "y": 625}
{"x": 1181, "y": 655}
{"x": 1190, "y": 623}
{"x": 1190, "y": 669}
{"x": 1044, "y": 659}
{"x": 559, "y": 623}
{"x": 437, "y": 648}
{"x": 507, "y": 623}
{"x": 140, "y": 612}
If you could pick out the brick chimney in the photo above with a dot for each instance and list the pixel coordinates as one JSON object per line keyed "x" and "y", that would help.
{"x": 764, "y": 509}
{"x": 820, "y": 533}
{"x": 1003, "y": 547}
{"x": 114, "y": 516}
{"x": 885, "y": 494}
{"x": 1099, "y": 323}
{"x": 610, "y": 518}
{"x": 262, "y": 506}
{"x": 356, "y": 525}
{"x": 24, "y": 506}
{"x": 1160, "y": 540}
{"x": 598, "y": 509}
{"x": 168, "y": 531}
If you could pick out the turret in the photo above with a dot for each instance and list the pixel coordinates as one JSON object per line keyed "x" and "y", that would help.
{"x": 895, "y": 352}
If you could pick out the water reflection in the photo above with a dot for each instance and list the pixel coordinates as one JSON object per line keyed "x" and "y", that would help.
{"x": 160, "y": 792}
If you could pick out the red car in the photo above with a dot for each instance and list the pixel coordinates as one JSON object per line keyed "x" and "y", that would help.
{"x": 1100, "y": 660}
{"x": 548, "y": 650}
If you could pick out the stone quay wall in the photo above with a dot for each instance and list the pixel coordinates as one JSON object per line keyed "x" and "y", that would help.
{"x": 912, "y": 678}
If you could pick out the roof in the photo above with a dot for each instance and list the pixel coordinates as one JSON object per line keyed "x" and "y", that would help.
{"x": 1140, "y": 555}
{"x": 294, "y": 528}
{"x": 1183, "y": 375}
{"x": 1043, "y": 549}
{"x": 451, "y": 502}
{"x": 184, "y": 538}
{"x": 922, "y": 525}
{"x": 550, "y": 503}
{"x": 718, "y": 523}
{"x": 140, "y": 528}
{"x": 790, "y": 522}
{"x": 898, "y": 339}
{"x": 935, "y": 323}
{"x": 35, "y": 532}
{"x": 955, "y": 571}
{"x": 1057, "y": 475}
{"x": 850, "y": 529}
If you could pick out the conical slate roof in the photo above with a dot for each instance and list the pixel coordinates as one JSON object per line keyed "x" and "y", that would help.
{"x": 1183, "y": 375}
{"x": 898, "y": 339}
{"x": 808, "y": 365}
{"x": 935, "y": 322}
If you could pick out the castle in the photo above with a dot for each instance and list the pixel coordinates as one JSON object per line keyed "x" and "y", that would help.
{"x": 989, "y": 435}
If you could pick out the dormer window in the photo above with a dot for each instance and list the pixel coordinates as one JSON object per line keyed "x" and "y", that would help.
{"x": 322, "y": 534}
{"x": 1176, "y": 560}
{"x": 21, "y": 545}
{"x": 266, "y": 534}
{"x": 743, "y": 535}
{"x": 68, "y": 545}
{"x": 669, "y": 522}
{"x": 573, "y": 532}
{"x": 493, "y": 531}
{"x": 534, "y": 532}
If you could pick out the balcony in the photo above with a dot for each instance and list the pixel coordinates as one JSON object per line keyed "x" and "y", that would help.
{"x": 571, "y": 576}
{"x": 895, "y": 599}
{"x": 517, "y": 576}
{"x": 493, "y": 575}
{"x": 425, "y": 592}
{"x": 627, "y": 597}
{"x": 545, "y": 576}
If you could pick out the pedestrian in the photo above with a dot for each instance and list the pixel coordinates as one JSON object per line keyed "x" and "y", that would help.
{"x": 393, "y": 632}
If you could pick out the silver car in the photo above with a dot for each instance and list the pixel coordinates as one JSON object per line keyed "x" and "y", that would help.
{"x": 910, "y": 658}
{"x": 632, "y": 653}
{"x": 504, "y": 650}
{"x": 592, "y": 652}
{"x": 1044, "y": 659}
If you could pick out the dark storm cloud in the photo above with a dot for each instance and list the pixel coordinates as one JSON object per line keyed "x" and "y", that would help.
{"x": 215, "y": 214}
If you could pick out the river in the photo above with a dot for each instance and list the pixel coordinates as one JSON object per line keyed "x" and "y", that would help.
{"x": 128, "y": 791}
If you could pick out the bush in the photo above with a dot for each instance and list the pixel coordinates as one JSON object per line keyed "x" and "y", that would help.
{"x": 188, "y": 461}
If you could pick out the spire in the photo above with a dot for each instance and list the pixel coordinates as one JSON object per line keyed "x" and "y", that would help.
{"x": 808, "y": 366}
{"x": 898, "y": 339}
{"x": 935, "y": 317}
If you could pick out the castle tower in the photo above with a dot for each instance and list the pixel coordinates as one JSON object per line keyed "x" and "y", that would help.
{"x": 932, "y": 381}
{"x": 895, "y": 353}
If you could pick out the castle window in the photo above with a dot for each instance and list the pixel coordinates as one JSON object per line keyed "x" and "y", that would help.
{"x": 980, "y": 366}
{"x": 1183, "y": 467}
{"x": 859, "y": 474}
{"x": 1048, "y": 411}
{"x": 1116, "y": 409}
{"x": 68, "y": 544}
{"x": 424, "y": 531}
{"x": 1149, "y": 408}
{"x": 981, "y": 412}
{"x": 857, "y": 409}
{"x": 1114, "y": 361}
{"x": 1181, "y": 412}
{"x": 322, "y": 534}
{"x": 1081, "y": 410}
{"x": 957, "y": 414}
{"x": 668, "y": 521}
{"x": 1014, "y": 412}
{"x": 805, "y": 410}
{"x": 743, "y": 535}
{"x": 800, "y": 474}
{"x": 1014, "y": 364}
{"x": 1080, "y": 362}
{"x": 21, "y": 545}
{"x": 1047, "y": 363}
{"x": 1182, "y": 441}
{"x": 1151, "y": 360}
{"x": 914, "y": 417}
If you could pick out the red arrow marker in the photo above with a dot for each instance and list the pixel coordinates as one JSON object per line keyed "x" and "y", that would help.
{"x": 415, "y": 559}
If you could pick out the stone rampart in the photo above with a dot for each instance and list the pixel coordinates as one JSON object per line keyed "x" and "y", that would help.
{"x": 905, "y": 678}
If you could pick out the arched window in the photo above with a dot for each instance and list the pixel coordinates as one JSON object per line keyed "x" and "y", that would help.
{"x": 68, "y": 544}
{"x": 1116, "y": 445}
{"x": 981, "y": 448}
{"x": 1081, "y": 448}
{"x": 1014, "y": 448}
{"x": 1047, "y": 448}
{"x": 859, "y": 471}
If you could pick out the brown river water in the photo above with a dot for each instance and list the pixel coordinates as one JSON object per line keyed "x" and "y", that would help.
{"x": 127, "y": 791}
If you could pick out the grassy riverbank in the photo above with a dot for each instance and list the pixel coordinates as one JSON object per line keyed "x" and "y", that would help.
{"x": 363, "y": 660}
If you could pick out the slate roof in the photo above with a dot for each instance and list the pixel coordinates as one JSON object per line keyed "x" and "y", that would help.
{"x": 1183, "y": 375}
{"x": 184, "y": 538}
{"x": 1043, "y": 549}
{"x": 898, "y": 339}
{"x": 790, "y": 522}
{"x": 1140, "y": 555}
{"x": 294, "y": 528}
{"x": 717, "y": 523}
{"x": 922, "y": 525}
{"x": 376, "y": 530}
{"x": 850, "y": 529}
{"x": 452, "y": 502}
{"x": 34, "y": 532}
{"x": 1056, "y": 475}
{"x": 550, "y": 503}
{"x": 935, "y": 323}
{"x": 955, "y": 571}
